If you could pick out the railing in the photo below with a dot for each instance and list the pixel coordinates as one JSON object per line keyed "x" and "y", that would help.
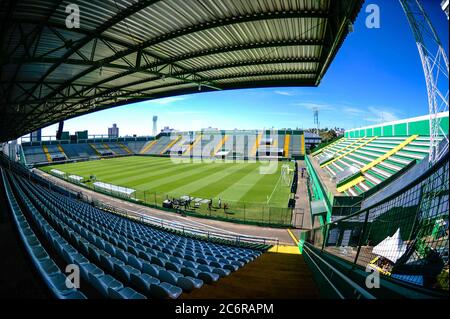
{"x": 236, "y": 239}
{"x": 234, "y": 211}
{"x": 341, "y": 285}
{"x": 404, "y": 237}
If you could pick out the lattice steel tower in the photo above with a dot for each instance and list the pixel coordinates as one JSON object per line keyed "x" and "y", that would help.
{"x": 316, "y": 118}
{"x": 435, "y": 67}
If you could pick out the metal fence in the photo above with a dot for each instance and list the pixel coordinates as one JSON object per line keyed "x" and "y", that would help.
{"x": 404, "y": 236}
{"x": 178, "y": 227}
{"x": 228, "y": 210}
{"x": 185, "y": 229}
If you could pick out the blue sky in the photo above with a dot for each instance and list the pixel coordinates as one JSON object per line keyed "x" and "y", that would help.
{"x": 376, "y": 76}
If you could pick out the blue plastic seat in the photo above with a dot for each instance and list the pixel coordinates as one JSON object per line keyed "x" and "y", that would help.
{"x": 151, "y": 269}
{"x": 188, "y": 283}
{"x": 60, "y": 289}
{"x": 143, "y": 281}
{"x": 48, "y": 266}
{"x": 89, "y": 268}
{"x": 124, "y": 293}
{"x": 122, "y": 255}
{"x": 190, "y": 263}
{"x": 103, "y": 283}
{"x": 173, "y": 266}
{"x": 159, "y": 261}
{"x": 133, "y": 250}
{"x": 165, "y": 290}
{"x": 124, "y": 272}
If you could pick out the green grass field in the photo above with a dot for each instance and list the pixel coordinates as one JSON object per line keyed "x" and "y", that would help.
{"x": 240, "y": 184}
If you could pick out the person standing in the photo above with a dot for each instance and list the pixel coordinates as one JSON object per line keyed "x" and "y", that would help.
{"x": 220, "y": 203}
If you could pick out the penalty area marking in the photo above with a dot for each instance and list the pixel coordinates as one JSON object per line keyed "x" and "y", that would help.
{"x": 274, "y": 189}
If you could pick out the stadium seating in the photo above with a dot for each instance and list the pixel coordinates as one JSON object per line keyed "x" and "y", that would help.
{"x": 102, "y": 149}
{"x": 157, "y": 147}
{"x": 46, "y": 267}
{"x": 118, "y": 149}
{"x": 76, "y": 151}
{"x": 377, "y": 158}
{"x": 135, "y": 146}
{"x": 235, "y": 144}
{"x": 55, "y": 153}
{"x": 118, "y": 257}
{"x": 294, "y": 148}
{"x": 35, "y": 154}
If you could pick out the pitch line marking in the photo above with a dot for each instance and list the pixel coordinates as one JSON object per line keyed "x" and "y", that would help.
{"x": 292, "y": 236}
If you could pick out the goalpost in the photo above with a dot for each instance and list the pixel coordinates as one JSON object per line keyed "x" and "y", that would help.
{"x": 285, "y": 179}
{"x": 286, "y": 172}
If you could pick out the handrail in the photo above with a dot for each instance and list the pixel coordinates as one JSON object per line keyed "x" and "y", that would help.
{"x": 410, "y": 185}
{"x": 363, "y": 293}
{"x": 185, "y": 228}
{"x": 237, "y": 239}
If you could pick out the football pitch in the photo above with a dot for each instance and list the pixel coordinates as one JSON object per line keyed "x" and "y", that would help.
{"x": 240, "y": 184}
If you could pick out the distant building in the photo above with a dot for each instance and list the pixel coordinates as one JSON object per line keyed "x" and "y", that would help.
{"x": 444, "y": 6}
{"x": 81, "y": 135}
{"x": 113, "y": 132}
{"x": 209, "y": 129}
{"x": 167, "y": 129}
{"x": 36, "y": 136}
{"x": 339, "y": 131}
{"x": 311, "y": 140}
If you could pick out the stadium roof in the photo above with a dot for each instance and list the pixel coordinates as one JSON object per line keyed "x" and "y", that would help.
{"x": 129, "y": 50}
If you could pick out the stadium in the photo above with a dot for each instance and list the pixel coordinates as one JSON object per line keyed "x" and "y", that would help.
{"x": 217, "y": 213}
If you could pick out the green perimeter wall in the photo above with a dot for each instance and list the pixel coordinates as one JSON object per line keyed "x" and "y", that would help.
{"x": 318, "y": 191}
{"x": 413, "y": 126}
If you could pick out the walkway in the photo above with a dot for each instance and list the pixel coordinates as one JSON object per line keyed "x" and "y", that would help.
{"x": 272, "y": 275}
{"x": 302, "y": 214}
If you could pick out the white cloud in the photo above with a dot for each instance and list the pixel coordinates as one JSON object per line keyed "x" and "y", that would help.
{"x": 371, "y": 114}
{"x": 167, "y": 100}
{"x": 285, "y": 93}
{"x": 380, "y": 115}
{"x": 353, "y": 111}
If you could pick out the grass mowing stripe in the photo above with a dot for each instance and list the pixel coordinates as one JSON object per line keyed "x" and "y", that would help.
{"x": 242, "y": 186}
{"x": 234, "y": 181}
{"x": 214, "y": 189}
{"x": 98, "y": 167}
{"x": 193, "y": 176}
{"x": 143, "y": 178}
{"x": 195, "y": 188}
{"x": 158, "y": 183}
{"x": 264, "y": 188}
{"x": 136, "y": 170}
{"x": 274, "y": 189}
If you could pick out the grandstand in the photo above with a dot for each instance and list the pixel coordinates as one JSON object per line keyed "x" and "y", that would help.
{"x": 195, "y": 214}
{"x": 118, "y": 258}
{"x": 225, "y": 144}
{"x": 364, "y": 161}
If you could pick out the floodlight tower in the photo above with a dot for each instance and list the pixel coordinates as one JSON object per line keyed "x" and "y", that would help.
{"x": 316, "y": 118}
{"x": 155, "y": 120}
{"x": 435, "y": 67}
